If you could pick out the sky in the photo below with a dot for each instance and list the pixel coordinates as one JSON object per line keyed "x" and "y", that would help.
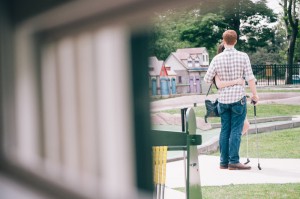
{"x": 274, "y": 4}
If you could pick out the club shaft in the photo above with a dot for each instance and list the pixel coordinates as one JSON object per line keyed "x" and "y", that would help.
{"x": 247, "y": 145}
{"x": 256, "y": 129}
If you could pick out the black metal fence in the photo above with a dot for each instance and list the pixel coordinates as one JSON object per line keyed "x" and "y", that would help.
{"x": 275, "y": 74}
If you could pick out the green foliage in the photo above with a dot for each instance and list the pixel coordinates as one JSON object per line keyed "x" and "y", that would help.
{"x": 166, "y": 30}
{"x": 203, "y": 25}
{"x": 205, "y": 32}
{"x": 256, "y": 35}
{"x": 262, "y": 55}
{"x": 275, "y": 50}
{"x": 251, "y": 21}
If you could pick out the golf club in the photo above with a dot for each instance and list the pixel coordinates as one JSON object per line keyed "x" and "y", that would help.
{"x": 254, "y": 104}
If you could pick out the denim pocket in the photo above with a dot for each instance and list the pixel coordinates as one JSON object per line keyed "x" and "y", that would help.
{"x": 238, "y": 109}
{"x": 221, "y": 108}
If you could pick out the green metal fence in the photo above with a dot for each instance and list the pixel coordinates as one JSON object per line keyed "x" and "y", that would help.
{"x": 276, "y": 74}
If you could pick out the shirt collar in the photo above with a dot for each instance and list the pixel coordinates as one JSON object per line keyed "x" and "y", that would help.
{"x": 229, "y": 49}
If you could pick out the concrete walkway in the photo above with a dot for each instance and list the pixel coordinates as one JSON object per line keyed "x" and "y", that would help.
{"x": 274, "y": 171}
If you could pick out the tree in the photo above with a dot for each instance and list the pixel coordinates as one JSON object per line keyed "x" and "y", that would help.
{"x": 243, "y": 16}
{"x": 203, "y": 25}
{"x": 291, "y": 19}
{"x": 205, "y": 32}
{"x": 274, "y": 53}
{"x": 297, "y": 48}
{"x": 166, "y": 31}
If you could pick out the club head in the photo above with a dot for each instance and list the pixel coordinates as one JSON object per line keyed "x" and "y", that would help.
{"x": 247, "y": 161}
{"x": 259, "y": 166}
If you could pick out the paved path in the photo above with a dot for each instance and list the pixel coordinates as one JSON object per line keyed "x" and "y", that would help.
{"x": 273, "y": 171}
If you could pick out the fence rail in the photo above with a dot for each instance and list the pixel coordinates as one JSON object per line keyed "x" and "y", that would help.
{"x": 275, "y": 74}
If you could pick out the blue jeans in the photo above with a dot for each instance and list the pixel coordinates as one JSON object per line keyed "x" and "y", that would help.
{"x": 232, "y": 120}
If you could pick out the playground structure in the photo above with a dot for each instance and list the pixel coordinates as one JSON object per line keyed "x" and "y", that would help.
{"x": 187, "y": 141}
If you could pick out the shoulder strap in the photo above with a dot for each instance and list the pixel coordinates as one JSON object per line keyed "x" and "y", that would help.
{"x": 209, "y": 89}
{"x": 214, "y": 82}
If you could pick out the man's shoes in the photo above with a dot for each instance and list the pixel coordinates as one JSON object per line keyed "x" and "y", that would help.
{"x": 223, "y": 166}
{"x": 238, "y": 166}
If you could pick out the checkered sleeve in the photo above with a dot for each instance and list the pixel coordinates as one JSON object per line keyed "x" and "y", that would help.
{"x": 211, "y": 72}
{"x": 248, "y": 69}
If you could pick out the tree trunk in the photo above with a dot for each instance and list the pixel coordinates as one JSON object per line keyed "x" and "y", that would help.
{"x": 291, "y": 23}
{"x": 291, "y": 53}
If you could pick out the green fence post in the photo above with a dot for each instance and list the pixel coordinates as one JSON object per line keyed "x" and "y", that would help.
{"x": 275, "y": 70}
{"x": 193, "y": 185}
{"x": 184, "y": 141}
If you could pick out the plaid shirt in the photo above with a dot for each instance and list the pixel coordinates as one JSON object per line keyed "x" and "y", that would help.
{"x": 229, "y": 65}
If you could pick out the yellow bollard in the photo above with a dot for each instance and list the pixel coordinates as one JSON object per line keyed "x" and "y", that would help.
{"x": 159, "y": 170}
{"x": 164, "y": 165}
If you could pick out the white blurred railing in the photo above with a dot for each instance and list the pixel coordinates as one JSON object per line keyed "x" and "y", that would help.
{"x": 76, "y": 128}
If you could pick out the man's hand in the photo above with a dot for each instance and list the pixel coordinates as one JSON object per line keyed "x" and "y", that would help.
{"x": 252, "y": 87}
{"x": 254, "y": 99}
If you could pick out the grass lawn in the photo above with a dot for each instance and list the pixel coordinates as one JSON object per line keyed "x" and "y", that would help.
{"x": 276, "y": 144}
{"x": 270, "y": 110}
{"x": 250, "y": 191}
{"x": 274, "y": 191}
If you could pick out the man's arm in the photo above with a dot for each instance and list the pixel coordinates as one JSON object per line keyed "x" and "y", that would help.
{"x": 250, "y": 78}
{"x": 210, "y": 74}
{"x": 252, "y": 87}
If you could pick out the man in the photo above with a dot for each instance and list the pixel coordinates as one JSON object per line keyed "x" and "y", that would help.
{"x": 230, "y": 65}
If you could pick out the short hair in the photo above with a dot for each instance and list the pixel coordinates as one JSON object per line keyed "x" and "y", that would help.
{"x": 230, "y": 37}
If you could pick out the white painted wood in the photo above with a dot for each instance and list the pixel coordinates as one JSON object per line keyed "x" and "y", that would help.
{"x": 114, "y": 109}
{"x": 51, "y": 116}
{"x": 68, "y": 108}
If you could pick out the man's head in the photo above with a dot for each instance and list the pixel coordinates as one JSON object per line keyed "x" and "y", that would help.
{"x": 230, "y": 37}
